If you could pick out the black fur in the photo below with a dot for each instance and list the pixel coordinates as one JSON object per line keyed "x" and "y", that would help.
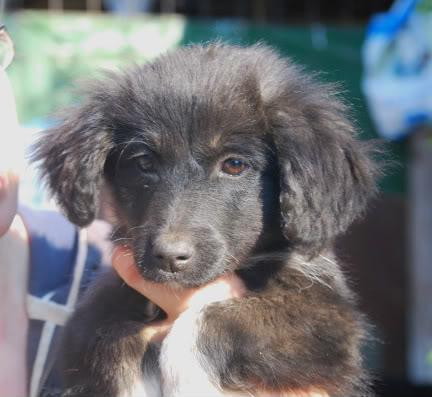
{"x": 307, "y": 178}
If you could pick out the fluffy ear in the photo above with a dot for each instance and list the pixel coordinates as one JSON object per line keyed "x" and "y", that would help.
{"x": 72, "y": 156}
{"x": 327, "y": 176}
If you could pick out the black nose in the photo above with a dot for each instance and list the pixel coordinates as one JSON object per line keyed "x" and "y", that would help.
{"x": 172, "y": 255}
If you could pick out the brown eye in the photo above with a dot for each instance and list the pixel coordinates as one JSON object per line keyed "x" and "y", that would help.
{"x": 145, "y": 162}
{"x": 234, "y": 167}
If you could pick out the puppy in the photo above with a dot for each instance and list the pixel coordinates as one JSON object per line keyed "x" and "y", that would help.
{"x": 218, "y": 159}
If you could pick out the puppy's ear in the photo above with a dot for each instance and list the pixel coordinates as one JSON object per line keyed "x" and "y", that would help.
{"x": 327, "y": 176}
{"x": 72, "y": 156}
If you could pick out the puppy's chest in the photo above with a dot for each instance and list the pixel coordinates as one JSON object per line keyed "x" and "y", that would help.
{"x": 150, "y": 383}
{"x": 176, "y": 367}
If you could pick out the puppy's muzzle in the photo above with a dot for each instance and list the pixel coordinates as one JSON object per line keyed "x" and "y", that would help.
{"x": 172, "y": 253}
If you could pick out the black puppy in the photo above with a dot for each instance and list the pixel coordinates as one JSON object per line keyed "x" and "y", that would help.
{"x": 219, "y": 158}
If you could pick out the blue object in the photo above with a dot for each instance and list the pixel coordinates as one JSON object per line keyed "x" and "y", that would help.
{"x": 397, "y": 58}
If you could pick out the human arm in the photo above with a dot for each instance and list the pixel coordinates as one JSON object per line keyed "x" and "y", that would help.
{"x": 13, "y": 250}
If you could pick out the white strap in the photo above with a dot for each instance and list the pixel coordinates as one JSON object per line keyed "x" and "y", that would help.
{"x": 78, "y": 270}
{"x": 54, "y": 314}
{"x": 42, "y": 353}
{"x": 41, "y": 309}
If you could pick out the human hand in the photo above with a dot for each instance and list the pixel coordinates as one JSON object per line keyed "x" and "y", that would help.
{"x": 8, "y": 125}
{"x": 174, "y": 300}
{"x": 8, "y": 199}
{"x": 13, "y": 244}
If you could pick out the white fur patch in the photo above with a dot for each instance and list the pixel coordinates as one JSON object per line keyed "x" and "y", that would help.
{"x": 148, "y": 387}
{"x": 184, "y": 372}
{"x": 180, "y": 361}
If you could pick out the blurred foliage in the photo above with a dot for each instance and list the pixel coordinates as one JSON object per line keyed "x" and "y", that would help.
{"x": 424, "y": 6}
{"x": 429, "y": 360}
{"x": 54, "y": 50}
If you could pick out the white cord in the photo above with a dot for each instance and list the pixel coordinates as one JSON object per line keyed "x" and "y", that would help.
{"x": 54, "y": 314}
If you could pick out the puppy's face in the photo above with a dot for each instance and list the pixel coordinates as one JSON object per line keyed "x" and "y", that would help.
{"x": 194, "y": 199}
{"x": 212, "y": 154}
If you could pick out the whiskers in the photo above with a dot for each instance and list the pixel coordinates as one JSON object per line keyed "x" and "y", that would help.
{"x": 320, "y": 270}
{"x": 126, "y": 145}
{"x": 315, "y": 270}
{"x": 121, "y": 239}
{"x": 145, "y": 228}
{"x": 114, "y": 232}
{"x": 232, "y": 256}
{"x": 124, "y": 234}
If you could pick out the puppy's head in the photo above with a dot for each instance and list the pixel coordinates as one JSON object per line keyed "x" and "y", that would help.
{"x": 211, "y": 154}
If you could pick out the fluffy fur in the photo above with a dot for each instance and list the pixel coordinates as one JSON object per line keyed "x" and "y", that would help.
{"x": 160, "y": 137}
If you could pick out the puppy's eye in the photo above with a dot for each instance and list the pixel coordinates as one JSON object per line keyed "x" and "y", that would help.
{"x": 234, "y": 167}
{"x": 145, "y": 162}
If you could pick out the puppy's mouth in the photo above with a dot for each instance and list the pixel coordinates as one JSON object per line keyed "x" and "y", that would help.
{"x": 182, "y": 260}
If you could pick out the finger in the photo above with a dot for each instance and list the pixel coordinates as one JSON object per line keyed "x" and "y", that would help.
{"x": 8, "y": 200}
{"x": 124, "y": 264}
{"x": 171, "y": 301}
{"x": 6, "y": 48}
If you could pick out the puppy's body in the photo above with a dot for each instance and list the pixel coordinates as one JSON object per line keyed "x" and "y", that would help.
{"x": 218, "y": 158}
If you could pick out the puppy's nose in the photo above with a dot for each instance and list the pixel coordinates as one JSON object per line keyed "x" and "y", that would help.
{"x": 172, "y": 255}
